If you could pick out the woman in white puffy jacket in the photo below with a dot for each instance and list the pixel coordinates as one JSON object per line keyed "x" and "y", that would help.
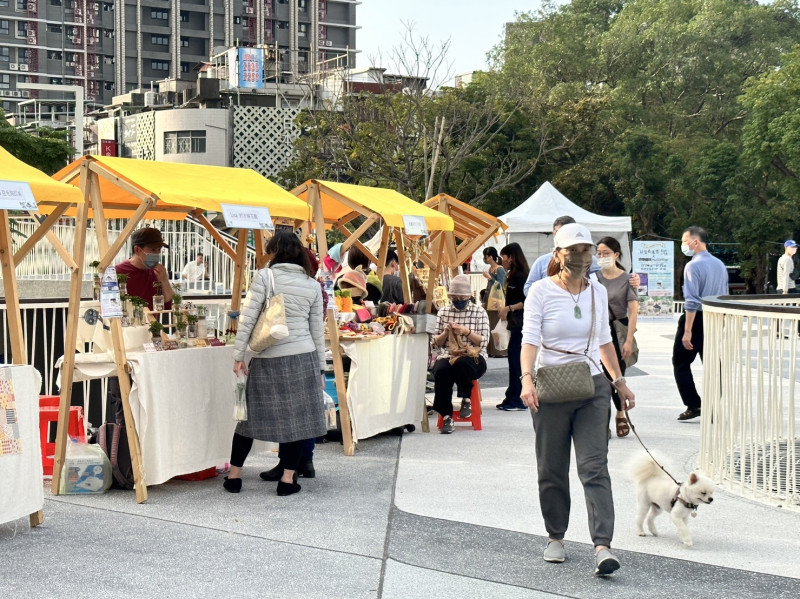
{"x": 284, "y": 384}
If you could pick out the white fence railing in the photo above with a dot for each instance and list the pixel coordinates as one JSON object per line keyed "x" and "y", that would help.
{"x": 751, "y": 396}
{"x": 185, "y": 238}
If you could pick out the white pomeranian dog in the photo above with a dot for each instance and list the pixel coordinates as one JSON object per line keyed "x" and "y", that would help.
{"x": 657, "y": 493}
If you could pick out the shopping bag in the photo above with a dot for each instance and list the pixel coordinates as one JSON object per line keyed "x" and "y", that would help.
{"x": 330, "y": 412}
{"x": 501, "y": 335}
{"x": 240, "y": 407}
{"x": 497, "y": 298}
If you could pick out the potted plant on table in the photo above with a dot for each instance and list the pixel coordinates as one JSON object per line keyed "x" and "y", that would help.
{"x": 158, "y": 298}
{"x": 191, "y": 329}
{"x": 155, "y": 330}
{"x": 180, "y": 327}
{"x": 138, "y": 304}
{"x": 123, "y": 285}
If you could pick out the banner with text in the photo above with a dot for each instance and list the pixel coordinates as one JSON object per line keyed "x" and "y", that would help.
{"x": 655, "y": 263}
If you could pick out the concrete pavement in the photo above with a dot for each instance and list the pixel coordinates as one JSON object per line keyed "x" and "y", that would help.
{"x": 423, "y": 515}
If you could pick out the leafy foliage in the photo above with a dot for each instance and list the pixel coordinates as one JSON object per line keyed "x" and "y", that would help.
{"x": 48, "y": 151}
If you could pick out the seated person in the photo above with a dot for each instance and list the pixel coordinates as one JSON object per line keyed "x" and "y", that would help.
{"x": 392, "y": 285}
{"x": 465, "y": 360}
{"x": 359, "y": 261}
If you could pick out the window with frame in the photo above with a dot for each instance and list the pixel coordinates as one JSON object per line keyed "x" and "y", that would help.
{"x": 237, "y": 20}
{"x": 283, "y": 24}
{"x": 184, "y": 142}
{"x": 3, "y": 3}
{"x": 23, "y": 54}
{"x": 3, "y": 27}
{"x": 54, "y": 55}
{"x": 23, "y": 78}
{"x": 56, "y": 81}
{"x": 302, "y": 5}
{"x": 184, "y": 42}
{"x": 22, "y": 5}
{"x": 22, "y": 28}
{"x": 159, "y": 40}
{"x": 55, "y": 2}
{"x": 184, "y": 16}
{"x": 52, "y": 28}
{"x": 5, "y": 54}
{"x": 159, "y": 65}
{"x": 302, "y": 29}
{"x": 108, "y": 7}
{"x": 156, "y": 13}
{"x": 108, "y": 85}
{"x": 185, "y": 67}
{"x": 5, "y": 81}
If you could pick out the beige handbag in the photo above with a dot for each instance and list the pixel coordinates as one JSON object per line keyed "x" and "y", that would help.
{"x": 568, "y": 382}
{"x": 271, "y": 323}
{"x": 457, "y": 350}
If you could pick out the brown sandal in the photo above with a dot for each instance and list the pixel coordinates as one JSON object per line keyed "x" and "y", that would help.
{"x": 622, "y": 426}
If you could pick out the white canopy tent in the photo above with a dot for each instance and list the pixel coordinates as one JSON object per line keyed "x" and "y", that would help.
{"x": 531, "y": 225}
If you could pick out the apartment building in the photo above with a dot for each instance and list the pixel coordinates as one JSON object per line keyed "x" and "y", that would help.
{"x": 112, "y": 47}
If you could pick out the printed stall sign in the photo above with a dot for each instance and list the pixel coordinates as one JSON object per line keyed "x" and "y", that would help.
{"x": 250, "y": 68}
{"x": 415, "y": 225}
{"x": 110, "y": 302}
{"x": 16, "y": 195}
{"x": 655, "y": 263}
{"x": 247, "y": 217}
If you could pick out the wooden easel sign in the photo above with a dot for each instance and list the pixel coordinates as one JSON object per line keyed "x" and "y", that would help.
{"x": 17, "y": 195}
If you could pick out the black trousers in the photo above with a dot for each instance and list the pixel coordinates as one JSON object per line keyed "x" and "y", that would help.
{"x": 290, "y": 453}
{"x": 514, "y": 389}
{"x": 682, "y": 359}
{"x": 462, "y": 373}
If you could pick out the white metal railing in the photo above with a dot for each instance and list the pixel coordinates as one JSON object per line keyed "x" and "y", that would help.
{"x": 44, "y": 326}
{"x": 185, "y": 238}
{"x": 751, "y": 396}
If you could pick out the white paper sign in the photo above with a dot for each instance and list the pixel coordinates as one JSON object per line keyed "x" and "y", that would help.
{"x": 247, "y": 217}
{"x": 110, "y": 303}
{"x": 16, "y": 195}
{"x": 415, "y": 225}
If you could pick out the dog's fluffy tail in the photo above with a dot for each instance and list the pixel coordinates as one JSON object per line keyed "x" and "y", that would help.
{"x": 643, "y": 467}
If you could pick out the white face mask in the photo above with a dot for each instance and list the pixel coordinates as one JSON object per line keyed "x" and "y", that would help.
{"x": 685, "y": 249}
{"x": 606, "y": 263}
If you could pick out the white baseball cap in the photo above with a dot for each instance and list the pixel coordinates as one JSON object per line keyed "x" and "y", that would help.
{"x": 572, "y": 234}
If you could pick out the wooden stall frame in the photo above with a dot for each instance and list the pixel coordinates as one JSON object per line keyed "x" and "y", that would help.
{"x": 90, "y": 171}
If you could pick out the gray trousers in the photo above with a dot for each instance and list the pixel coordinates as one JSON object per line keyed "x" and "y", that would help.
{"x": 585, "y": 424}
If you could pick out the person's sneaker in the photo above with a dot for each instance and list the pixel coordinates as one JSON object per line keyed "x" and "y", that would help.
{"x": 605, "y": 563}
{"x": 555, "y": 552}
{"x": 447, "y": 426}
{"x": 510, "y": 407}
{"x": 466, "y": 409}
{"x": 689, "y": 414}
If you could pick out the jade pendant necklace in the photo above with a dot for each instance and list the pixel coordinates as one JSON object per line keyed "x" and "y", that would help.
{"x": 577, "y": 311}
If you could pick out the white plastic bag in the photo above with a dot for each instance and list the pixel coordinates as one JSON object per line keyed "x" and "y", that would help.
{"x": 86, "y": 469}
{"x": 501, "y": 335}
{"x": 240, "y": 407}
{"x": 330, "y": 411}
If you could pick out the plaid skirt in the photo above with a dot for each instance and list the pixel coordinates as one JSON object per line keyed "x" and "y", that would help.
{"x": 284, "y": 399}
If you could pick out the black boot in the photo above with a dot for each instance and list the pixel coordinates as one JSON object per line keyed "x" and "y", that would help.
{"x": 274, "y": 474}
{"x": 306, "y": 469}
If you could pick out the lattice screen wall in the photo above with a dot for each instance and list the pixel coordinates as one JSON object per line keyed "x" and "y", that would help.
{"x": 146, "y": 135}
{"x": 263, "y": 138}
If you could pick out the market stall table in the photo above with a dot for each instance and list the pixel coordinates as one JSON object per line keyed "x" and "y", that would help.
{"x": 182, "y": 403}
{"x": 20, "y": 452}
{"x": 386, "y": 385}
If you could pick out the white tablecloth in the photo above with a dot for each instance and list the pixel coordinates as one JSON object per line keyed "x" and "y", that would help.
{"x": 182, "y": 403}
{"x": 21, "y": 491}
{"x": 386, "y": 388}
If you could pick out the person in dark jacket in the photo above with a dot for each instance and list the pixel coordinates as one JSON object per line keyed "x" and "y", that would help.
{"x": 517, "y": 270}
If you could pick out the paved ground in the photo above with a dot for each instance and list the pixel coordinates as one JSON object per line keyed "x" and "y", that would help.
{"x": 425, "y": 515}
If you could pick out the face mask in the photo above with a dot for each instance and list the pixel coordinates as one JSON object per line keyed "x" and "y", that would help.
{"x": 577, "y": 263}
{"x": 151, "y": 260}
{"x": 685, "y": 249}
{"x": 605, "y": 263}
{"x": 460, "y": 304}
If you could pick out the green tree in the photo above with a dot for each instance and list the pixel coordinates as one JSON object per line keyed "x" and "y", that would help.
{"x": 48, "y": 151}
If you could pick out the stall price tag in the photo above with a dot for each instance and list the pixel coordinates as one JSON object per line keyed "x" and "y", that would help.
{"x": 154, "y": 346}
{"x": 247, "y": 217}
{"x": 200, "y": 343}
{"x": 414, "y": 225}
{"x": 16, "y": 195}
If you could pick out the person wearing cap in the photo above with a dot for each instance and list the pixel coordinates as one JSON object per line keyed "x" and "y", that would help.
{"x": 469, "y": 324}
{"x": 144, "y": 267}
{"x": 784, "y": 282}
{"x": 703, "y": 275}
{"x": 558, "y": 319}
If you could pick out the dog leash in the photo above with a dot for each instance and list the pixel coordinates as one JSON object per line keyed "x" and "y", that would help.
{"x": 633, "y": 428}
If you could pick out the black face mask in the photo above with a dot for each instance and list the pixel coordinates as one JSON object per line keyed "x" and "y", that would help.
{"x": 460, "y": 304}
{"x": 577, "y": 263}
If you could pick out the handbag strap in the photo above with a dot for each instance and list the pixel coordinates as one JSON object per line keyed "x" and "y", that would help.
{"x": 588, "y": 342}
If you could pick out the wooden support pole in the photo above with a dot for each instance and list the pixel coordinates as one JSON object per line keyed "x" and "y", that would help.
{"x": 212, "y": 230}
{"x": 40, "y": 232}
{"x": 73, "y": 312}
{"x": 315, "y": 201}
{"x": 260, "y": 242}
{"x": 384, "y": 250}
{"x": 133, "y": 221}
{"x": 238, "y": 269}
{"x": 433, "y": 277}
{"x": 401, "y": 254}
{"x": 341, "y": 388}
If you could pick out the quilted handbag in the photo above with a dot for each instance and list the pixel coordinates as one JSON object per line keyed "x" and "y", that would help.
{"x": 567, "y": 382}
{"x": 271, "y": 323}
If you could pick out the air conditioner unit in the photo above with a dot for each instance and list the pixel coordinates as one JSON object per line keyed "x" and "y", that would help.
{"x": 249, "y": 10}
{"x": 23, "y": 67}
{"x": 31, "y": 6}
{"x": 96, "y": 6}
{"x": 70, "y": 63}
{"x": 25, "y": 93}
{"x": 16, "y": 95}
{"x": 13, "y": 66}
{"x": 30, "y": 33}
{"x": 328, "y": 43}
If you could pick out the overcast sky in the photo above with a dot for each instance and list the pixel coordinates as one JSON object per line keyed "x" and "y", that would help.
{"x": 473, "y": 27}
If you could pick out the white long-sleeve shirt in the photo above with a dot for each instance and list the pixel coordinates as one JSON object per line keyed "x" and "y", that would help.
{"x": 784, "y": 280}
{"x": 550, "y": 319}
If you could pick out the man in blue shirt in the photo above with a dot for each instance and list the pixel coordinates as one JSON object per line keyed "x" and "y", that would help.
{"x": 704, "y": 275}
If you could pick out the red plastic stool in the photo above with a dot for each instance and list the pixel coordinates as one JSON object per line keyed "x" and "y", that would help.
{"x": 48, "y": 414}
{"x": 475, "y": 403}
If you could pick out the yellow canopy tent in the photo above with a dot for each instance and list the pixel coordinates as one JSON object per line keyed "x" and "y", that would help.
{"x": 450, "y": 249}
{"x": 338, "y": 204}
{"x": 139, "y": 189}
{"x": 54, "y": 197}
